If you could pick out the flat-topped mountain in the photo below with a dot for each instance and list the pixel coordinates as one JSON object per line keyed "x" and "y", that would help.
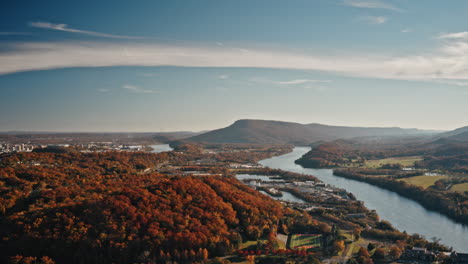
{"x": 279, "y": 132}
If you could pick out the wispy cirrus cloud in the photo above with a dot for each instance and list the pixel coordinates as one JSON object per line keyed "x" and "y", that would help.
{"x": 65, "y": 28}
{"x": 137, "y": 89}
{"x": 309, "y": 84}
{"x": 371, "y": 4}
{"x": 288, "y": 82}
{"x": 455, "y": 35}
{"x": 374, "y": 20}
{"x": 303, "y": 81}
{"x": 455, "y": 83}
{"x": 448, "y": 62}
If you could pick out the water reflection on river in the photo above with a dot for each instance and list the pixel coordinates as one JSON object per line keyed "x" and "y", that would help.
{"x": 160, "y": 148}
{"x": 288, "y": 197}
{"x": 403, "y": 213}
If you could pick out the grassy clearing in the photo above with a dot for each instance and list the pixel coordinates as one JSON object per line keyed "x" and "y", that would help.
{"x": 404, "y": 161}
{"x": 423, "y": 181}
{"x": 249, "y": 243}
{"x": 462, "y": 187}
{"x": 299, "y": 241}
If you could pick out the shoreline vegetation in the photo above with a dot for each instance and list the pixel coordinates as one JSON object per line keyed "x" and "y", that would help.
{"x": 394, "y": 167}
{"x": 444, "y": 203}
{"x": 349, "y": 214}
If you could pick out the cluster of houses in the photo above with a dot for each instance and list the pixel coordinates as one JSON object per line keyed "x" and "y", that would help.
{"x": 13, "y": 148}
{"x": 245, "y": 166}
{"x": 272, "y": 185}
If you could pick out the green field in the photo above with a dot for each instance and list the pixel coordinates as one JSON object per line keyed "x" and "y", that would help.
{"x": 404, "y": 161}
{"x": 305, "y": 241}
{"x": 249, "y": 243}
{"x": 462, "y": 187}
{"x": 423, "y": 181}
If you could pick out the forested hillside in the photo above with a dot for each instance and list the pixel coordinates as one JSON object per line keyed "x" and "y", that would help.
{"x": 101, "y": 208}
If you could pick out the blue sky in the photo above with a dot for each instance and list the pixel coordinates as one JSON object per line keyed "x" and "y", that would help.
{"x": 196, "y": 65}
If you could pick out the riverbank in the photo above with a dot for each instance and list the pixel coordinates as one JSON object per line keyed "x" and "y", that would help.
{"x": 331, "y": 209}
{"x": 404, "y": 214}
{"x": 446, "y": 203}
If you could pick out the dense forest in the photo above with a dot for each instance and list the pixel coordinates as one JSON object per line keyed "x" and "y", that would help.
{"x": 440, "y": 154}
{"x": 234, "y": 153}
{"x": 60, "y": 205}
{"x": 343, "y": 153}
{"x": 452, "y": 156}
{"x": 99, "y": 208}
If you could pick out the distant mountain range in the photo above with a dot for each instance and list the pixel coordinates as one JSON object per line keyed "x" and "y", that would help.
{"x": 459, "y": 134}
{"x": 278, "y": 132}
{"x": 250, "y": 131}
{"x": 460, "y": 137}
{"x": 89, "y": 137}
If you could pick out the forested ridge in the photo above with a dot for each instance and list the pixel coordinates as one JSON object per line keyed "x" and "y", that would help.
{"x": 100, "y": 208}
{"x": 440, "y": 154}
{"x": 342, "y": 153}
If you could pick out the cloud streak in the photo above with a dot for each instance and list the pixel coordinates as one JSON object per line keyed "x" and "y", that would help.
{"x": 136, "y": 89}
{"x": 308, "y": 84}
{"x": 371, "y": 4}
{"x": 304, "y": 81}
{"x": 456, "y": 35}
{"x": 65, "y": 28}
{"x": 449, "y": 62}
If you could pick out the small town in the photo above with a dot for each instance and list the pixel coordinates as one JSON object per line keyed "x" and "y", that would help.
{"x": 91, "y": 147}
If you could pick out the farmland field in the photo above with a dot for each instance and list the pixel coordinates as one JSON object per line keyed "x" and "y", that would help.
{"x": 305, "y": 241}
{"x": 462, "y": 187}
{"x": 404, "y": 161}
{"x": 423, "y": 181}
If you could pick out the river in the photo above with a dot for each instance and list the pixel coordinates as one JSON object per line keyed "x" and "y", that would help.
{"x": 403, "y": 213}
{"x": 161, "y": 148}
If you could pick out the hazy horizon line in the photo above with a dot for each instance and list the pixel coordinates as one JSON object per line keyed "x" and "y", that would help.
{"x": 206, "y": 130}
